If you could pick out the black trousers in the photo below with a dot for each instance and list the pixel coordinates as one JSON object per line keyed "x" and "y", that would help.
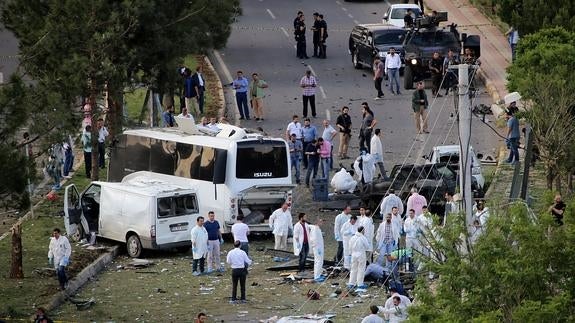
{"x": 316, "y": 48}
{"x": 436, "y": 82}
{"x": 300, "y": 49}
{"x": 322, "y": 49}
{"x": 195, "y": 262}
{"x": 339, "y": 254}
{"x": 377, "y": 83}
{"x": 303, "y": 256}
{"x": 305, "y": 159}
{"x": 239, "y": 275}
{"x": 101, "y": 154}
{"x": 88, "y": 163}
{"x": 311, "y": 100}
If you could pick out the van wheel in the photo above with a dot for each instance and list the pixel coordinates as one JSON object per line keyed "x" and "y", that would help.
{"x": 78, "y": 234}
{"x": 134, "y": 246}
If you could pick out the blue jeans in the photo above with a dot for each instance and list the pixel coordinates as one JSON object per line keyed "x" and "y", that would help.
{"x": 62, "y": 279}
{"x": 311, "y": 170}
{"x": 513, "y": 150}
{"x": 303, "y": 256}
{"x": 325, "y": 167}
{"x": 242, "y": 101}
{"x": 295, "y": 163}
{"x": 68, "y": 162}
{"x": 386, "y": 249}
{"x": 393, "y": 74}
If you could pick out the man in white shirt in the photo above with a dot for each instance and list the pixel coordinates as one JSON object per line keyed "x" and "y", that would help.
{"x": 240, "y": 231}
{"x": 281, "y": 223}
{"x": 295, "y": 128}
{"x": 376, "y": 150}
{"x": 329, "y": 134}
{"x": 410, "y": 227}
{"x": 316, "y": 241}
{"x": 213, "y": 124}
{"x": 366, "y": 221}
{"x": 348, "y": 229}
{"x": 238, "y": 261}
{"x": 392, "y": 65}
{"x": 199, "y": 237}
{"x": 185, "y": 114}
{"x": 359, "y": 246}
{"x": 390, "y": 201}
{"x": 373, "y": 317}
{"x": 416, "y": 201}
{"x": 397, "y": 312}
{"x": 339, "y": 221}
{"x": 59, "y": 252}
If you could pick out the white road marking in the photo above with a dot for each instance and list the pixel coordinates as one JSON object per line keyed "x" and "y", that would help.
{"x": 349, "y": 15}
{"x": 225, "y": 69}
{"x": 284, "y": 31}
{"x": 271, "y": 14}
{"x": 344, "y": 8}
{"x": 322, "y": 92}
{"x": 327, "y": 114}
{"x": 339, "y": 3}
{"x": 311, "y": 69}
{"x": 356, "y": 22}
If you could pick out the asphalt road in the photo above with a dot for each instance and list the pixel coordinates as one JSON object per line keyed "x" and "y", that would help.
{"x": 262, "y": 41}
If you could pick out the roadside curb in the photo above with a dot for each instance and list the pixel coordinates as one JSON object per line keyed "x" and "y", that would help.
{"x": 502, "y": 152}
{"x": 83, "y": 277}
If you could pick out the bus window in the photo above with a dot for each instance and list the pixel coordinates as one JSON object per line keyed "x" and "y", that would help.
{"x": 206, "y": 169}
{"x": 261, "y": 160}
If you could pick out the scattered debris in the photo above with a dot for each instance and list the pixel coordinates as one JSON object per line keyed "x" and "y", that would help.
{"x": 82, "y": 304}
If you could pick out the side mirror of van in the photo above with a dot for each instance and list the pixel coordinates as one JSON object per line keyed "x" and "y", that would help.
{"x": 479, "y": 156}
{"x": 385, "y": 16}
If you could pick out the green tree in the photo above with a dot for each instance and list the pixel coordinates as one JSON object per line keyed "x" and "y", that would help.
{"x": 542, "y": 73}
{"x": 529, "y": 16}
{"x": 77, "y": 48}
{"x": 520, "y": 269}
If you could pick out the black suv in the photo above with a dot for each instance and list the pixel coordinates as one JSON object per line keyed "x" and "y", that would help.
{"x": 367, "y": 41}
{"x": 424, "y": 39}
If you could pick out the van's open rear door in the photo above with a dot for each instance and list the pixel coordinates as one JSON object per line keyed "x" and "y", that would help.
{"x": 74, "y": 220}
{"x": 258, "y": 202}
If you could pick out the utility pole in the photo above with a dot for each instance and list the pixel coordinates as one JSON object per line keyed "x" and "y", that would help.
{"x": 464, "y": 112}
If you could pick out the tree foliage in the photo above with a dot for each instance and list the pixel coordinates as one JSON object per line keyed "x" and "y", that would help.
{"x": 520, "y": 270}
{"x": 76, "y": 49}
{"x": 543, "y": 74}
{"x": 529, "y": 16}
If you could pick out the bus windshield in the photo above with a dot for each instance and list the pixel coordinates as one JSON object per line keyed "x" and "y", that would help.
{"x": 266, "y": 159}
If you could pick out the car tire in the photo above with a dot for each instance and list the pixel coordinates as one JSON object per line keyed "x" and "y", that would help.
{"x": 355, "y": 60}
{"x": 134, "y": 246}
{"x": 408, "y": 78}
{"x": 78, "y": 234}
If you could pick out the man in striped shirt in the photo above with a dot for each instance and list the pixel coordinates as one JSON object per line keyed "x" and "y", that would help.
{"x": 308, "y": 83}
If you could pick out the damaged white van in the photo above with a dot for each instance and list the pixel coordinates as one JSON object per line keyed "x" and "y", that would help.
{"x": 142, "y": 212}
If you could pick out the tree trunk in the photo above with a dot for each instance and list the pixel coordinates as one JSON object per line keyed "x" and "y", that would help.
{"x": 94, "y": 117}
{"x": 550, "y": 177}
{"x": 115, "y": 110}
{"x": 558, "y": 183}
{"x": 16, "y": 270}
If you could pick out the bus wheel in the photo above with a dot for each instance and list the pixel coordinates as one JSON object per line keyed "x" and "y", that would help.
{"x": 134, "y": 246}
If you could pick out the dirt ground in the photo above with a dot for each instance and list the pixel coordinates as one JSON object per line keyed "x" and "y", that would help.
{"x": 166, "y": 291}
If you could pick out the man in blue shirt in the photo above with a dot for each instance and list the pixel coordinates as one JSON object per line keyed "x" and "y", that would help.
{"x": 295, "y": 152}
{"x": 309, "y": 134}
{"x": 241, "y": 85}
{"x": 512, "y": 138}
{"x": 215, "y": 238}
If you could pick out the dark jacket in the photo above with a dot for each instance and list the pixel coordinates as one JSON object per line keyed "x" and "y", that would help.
{"x": 416, "y": 100}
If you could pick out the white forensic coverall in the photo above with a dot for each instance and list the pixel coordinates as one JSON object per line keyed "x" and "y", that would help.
{"x": 281, "y": 223}
{"x": 359, "y": 245}
{"x": 367, "y": 168}
{"x": 347, "y": 231}
{"x": 368, "y": 230}
{"x": 389, "y": 202}
{"x": 199, "y": 242}
{"x": 60, "y": 250}
{"x": 410, "y": 227}
{"x": 316, "y": 242}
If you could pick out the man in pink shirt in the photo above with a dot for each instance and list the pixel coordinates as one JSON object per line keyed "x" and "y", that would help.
{"x": 416, "y": 201}
{"x": 324, "y": 154}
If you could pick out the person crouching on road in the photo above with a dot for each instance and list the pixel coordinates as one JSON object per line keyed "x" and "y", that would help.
{"x": 316, "y": 240}
{"x": 238, "y": 261}
{"x": 59, "y": 252}
{"x": 359, "y": 246}
{"x": 301, "y": 240}
{"x": 199, "y": 246}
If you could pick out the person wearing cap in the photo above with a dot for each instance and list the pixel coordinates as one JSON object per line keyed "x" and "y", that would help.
{"x": 373, "y": 317}
{"x": 512, "y": 138}
{"x": 358, "y": 245}
{"x": 295, "y": 151}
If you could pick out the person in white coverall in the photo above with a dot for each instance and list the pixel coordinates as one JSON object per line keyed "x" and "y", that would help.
{"x": 199, "y": 237}
{"x": 397, "y": 312}
{"x": 397, "y": 222}
{"x": 281, "y": 223}
{"x": 411, "y": 227}
{"x": 416, "y": 201}
{"x": 366, "y": 221}
{"x": 59, "y": 252}
{"x": 364, "y": 167}
{"x": 358, "y": 245}
{"x": 390, "y": 201}
{"x": 316, "y": 241}
{"x": 348, "y": 229}
{"x": 339, "y": 221}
